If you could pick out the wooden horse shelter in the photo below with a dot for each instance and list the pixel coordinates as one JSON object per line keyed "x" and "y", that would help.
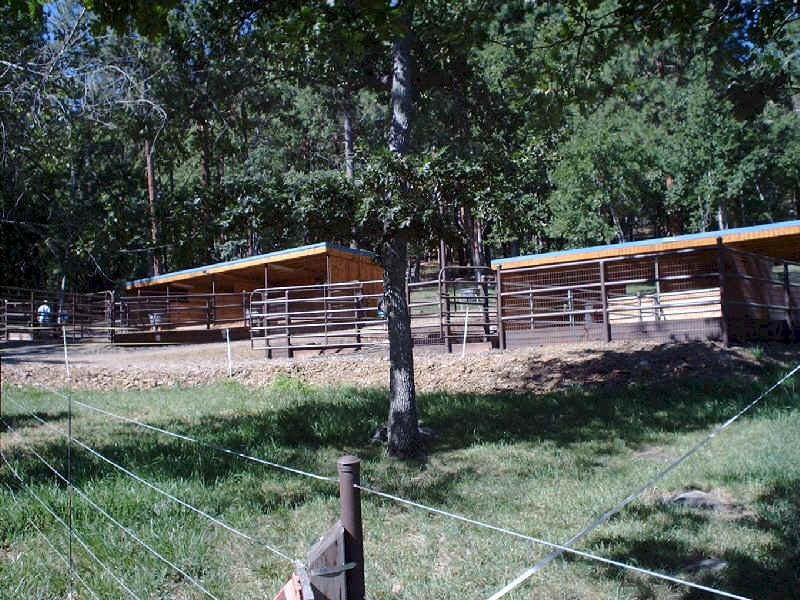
{"x": 193, "y": 305}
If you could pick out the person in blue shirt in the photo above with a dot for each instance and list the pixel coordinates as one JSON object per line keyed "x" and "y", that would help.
{"x": 43, "y": 313}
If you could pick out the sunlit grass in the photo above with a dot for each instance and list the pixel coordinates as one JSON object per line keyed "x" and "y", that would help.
{"x": 539, "y": 464}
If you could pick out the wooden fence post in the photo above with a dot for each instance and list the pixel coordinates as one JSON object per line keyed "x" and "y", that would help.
{"x": 350, "y": 505}
{"x": 335, "y": 564}
{"x": 604, "y": 299}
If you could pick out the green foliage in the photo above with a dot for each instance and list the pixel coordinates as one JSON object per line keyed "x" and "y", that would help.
{"x": 536, "y": 126}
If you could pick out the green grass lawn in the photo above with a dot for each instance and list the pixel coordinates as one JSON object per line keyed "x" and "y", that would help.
{"x": 543, "y": 465}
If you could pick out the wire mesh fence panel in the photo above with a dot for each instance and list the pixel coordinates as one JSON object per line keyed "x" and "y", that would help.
{"x": 43, "y": 314}
{"x": 468, "y": 297}
{"x": 317, "y": 316}
{"x": 673, "y": 295}
{"x": 157, "y": 312}
{"x": 760, "y": 296}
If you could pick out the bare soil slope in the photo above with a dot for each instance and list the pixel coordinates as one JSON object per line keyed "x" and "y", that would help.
{"x": 483, "y": 371}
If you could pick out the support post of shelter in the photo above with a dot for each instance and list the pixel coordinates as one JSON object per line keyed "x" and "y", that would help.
{"x": 441, "y": 314}
{"x": 265, "y": 312}
{"x": 213, "y": 301}
{"x": 604, "y": 299}
{"x": 501, "y": 332}
{"x": 723, "y": 303}
{"x": 791, "y": 310}
{"x": 657, "y": 278}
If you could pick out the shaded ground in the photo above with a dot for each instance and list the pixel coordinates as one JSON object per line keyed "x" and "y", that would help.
{"x": 480, "y": 371}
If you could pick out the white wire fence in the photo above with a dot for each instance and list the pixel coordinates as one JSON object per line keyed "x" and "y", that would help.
{"x": 114, "y": 573}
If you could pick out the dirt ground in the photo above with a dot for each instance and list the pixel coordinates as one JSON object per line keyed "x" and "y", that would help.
{"x": 481, "y": 371}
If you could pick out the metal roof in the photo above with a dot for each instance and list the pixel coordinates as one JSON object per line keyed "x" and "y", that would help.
{"x": 250, "y": 261}
{"x": 692, "y": 240}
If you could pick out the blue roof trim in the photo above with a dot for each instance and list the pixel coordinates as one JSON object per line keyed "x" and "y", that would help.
{"x": 250, "y": 259}
{"x": 649, "y": 242}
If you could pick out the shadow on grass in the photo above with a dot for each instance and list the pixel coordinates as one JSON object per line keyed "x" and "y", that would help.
{"x": 634, "y": 409}
{"x": 20, "y": 420}
{"x": 773, "y": 576}
{"x": 691, "y": 389}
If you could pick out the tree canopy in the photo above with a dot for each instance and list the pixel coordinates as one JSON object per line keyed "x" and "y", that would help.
{"x": 143, "y": 137}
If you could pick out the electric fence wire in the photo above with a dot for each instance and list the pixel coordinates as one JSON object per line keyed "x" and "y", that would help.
{"x": 201, "y": 442}
{"x": 70, "y": 565}
{"x": 560, "y": 548}
{"x": 158, "y": 490}
{"x": 595, "y": 523}
{"x": 55, "y": 550}
{"x": 369, "y": 490}
{"x": 130, "y": 533}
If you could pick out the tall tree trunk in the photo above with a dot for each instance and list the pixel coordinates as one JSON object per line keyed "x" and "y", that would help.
{"x": 347, "y": 118}
{"x": 151, "y": 201}
{"x": 205, "y": 151}
{"x": 474, "y": 228}
{"x": 722, "y": 216}
{"x": 403, "y": 426}
{"x": 347, "y": 122}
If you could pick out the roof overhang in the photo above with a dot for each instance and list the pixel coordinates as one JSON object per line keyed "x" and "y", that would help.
{"x": 780, "y": 240}
{"x": 250, "y": 269}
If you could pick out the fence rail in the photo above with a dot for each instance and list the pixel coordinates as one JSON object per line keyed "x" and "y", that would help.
{"x": 716, "y": 292}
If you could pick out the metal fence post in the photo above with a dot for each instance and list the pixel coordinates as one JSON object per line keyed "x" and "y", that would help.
{"x": 359, "y": 293}
{"x": 484, "y": 287}
{"x": 350, "y": 505}
{"x": 112, "y": 316}
{"x": 448, "y": 329}
{"x": 289, "y": 351}
{"x": 604, "y": 299}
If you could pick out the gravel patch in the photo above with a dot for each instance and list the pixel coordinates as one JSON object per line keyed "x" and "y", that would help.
{"x": 542, "y": 369}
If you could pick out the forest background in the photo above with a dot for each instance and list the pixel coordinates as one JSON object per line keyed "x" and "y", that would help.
{"x": 239, "y": 129}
